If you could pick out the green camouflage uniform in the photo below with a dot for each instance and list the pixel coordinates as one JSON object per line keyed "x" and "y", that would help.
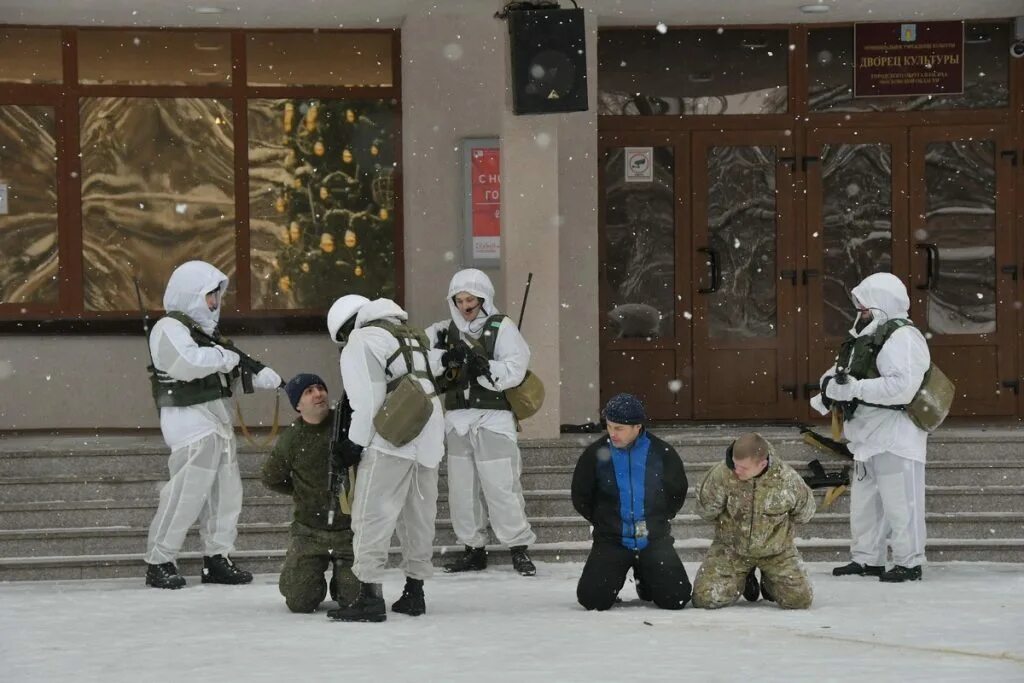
{"x": 298, "y": 466}
{"x": 754, "y": 528}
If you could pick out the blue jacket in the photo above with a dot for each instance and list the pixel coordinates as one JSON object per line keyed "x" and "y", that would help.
{"x": 630, "y": 495}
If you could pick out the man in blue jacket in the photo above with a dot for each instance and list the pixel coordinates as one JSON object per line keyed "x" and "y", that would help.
{"x": 629, "y": 486}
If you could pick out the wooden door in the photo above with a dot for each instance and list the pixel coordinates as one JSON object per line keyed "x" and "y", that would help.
{"x": 745, "y": 277}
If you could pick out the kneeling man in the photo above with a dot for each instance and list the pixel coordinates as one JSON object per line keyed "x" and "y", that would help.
{"x": 754, "y": 501}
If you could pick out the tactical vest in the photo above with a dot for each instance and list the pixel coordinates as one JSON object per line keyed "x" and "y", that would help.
{"x": 857, "y": 355}
{"x": 403, "y": 334}
{"x": 479, "y": 397}
{"x": 169, "y": 392}
{"x": 407, "y": 408}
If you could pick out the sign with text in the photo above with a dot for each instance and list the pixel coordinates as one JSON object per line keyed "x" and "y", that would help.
{"x": 892, "y": 60}
{"x": 484, "y": 166}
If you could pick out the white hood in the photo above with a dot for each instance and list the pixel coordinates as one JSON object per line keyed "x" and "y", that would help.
{"x": 885, "y": 295}
{"x": 187, "y": 289}
{"x": 380, "y": 309}
{"x": 475, "y": 282}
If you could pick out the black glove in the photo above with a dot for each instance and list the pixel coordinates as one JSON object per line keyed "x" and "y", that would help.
{"x": 477, "y": 365}
{"x": 825, "y": 400}
{"x": 454, "y": 357}
{"x": 348, "y": 453}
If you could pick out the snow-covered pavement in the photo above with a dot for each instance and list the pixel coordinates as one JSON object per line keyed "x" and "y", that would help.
{"x": 964, "y": 622}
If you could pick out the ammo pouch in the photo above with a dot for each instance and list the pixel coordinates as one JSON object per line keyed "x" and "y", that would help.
{"x": 407, "y": 407}
{"x": 930, "y": 405}
{"x": 527, "y": 398}
{"x": 932, "y": 401}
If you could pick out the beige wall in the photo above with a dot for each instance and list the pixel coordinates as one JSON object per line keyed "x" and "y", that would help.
{"x": 453, "y": 86}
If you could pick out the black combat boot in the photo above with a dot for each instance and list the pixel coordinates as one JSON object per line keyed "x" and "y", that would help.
{"x": 471, "y": 560}
{"x": 164, "y": 576}
{"x": 368, "y": 606}
{"x": 412, "y": 601}
{"x": 220, "y": 569}
{"x": 899, "y": 574}
{"x": 858, "y": 569}
{"x": 521, "y": 561}
{"x": 751, "y": 588}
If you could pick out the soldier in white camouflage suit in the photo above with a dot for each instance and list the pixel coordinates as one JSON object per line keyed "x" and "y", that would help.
{"x": 754, "y": 501}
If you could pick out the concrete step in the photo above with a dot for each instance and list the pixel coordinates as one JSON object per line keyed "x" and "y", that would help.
{"x": 29, "y": 455}
{"x": 269, "y": 561}
{"x": 117, "y": 485}
{"x": 124, "y": 539}
{"x": 263, "y": 508}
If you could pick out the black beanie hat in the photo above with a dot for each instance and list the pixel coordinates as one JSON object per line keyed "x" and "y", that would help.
{"x": 625, "y": 409}
{"x": 298, "y": 384}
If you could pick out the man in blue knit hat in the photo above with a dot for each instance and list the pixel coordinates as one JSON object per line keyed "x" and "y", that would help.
{"x": 629, "y": 485}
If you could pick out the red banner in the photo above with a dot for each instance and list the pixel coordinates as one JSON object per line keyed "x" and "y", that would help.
{"x": 925, "y": 58}
{"x": 485, "y": 181}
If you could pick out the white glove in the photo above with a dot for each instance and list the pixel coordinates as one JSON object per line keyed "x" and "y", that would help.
{"x": 266, "y": 379}
{"x": 843, "y": 392}
{"x": 230, "y": 359}
{"x": 819, "y": 405}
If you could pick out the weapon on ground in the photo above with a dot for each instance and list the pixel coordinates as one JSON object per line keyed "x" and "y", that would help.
{"x": 337, "y": 474}
{"x": 824, "y": 443}
{"x": 820, "y": 479}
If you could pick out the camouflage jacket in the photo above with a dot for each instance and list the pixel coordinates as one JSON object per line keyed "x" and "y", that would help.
{"x": 297, "y": 466}
{"x": 755, "y": 517}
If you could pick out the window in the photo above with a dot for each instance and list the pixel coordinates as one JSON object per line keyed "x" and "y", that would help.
{"x": 259, "y": 152}
{"x": 693, "y": 71}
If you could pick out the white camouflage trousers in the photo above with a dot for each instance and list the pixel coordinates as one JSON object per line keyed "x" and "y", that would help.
{"x": 887, "y": 508}
{"x": 483, "y": 482}
{"x": 393, "y": 495}
{"x": 205, "y": 485}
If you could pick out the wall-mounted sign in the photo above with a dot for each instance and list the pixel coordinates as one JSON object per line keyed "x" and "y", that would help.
{"x": 482, "y": 174}
{"x": 3, "y": 199}
{"x": 925, "y": 58}
{"x": 639, "y": 164}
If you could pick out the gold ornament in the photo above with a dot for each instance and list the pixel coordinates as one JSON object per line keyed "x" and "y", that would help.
{"x": 284, "y": 283}
{"x": 350, "y": 239}
{"x": 327, "y": 242}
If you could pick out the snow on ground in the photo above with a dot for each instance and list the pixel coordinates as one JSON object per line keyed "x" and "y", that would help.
{"x": 964, "y": 622}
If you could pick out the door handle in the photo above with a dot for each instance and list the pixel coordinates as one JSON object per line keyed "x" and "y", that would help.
{"x": 1011, "y": 384}
{"x": 808, "y": 160}
{"x": 932, "y": 250}
{"x": 810, "y": 387}
{"x": 1010, "y": 154}
{"x": 789, "y": 389}
{"x": 1011, "y": 271}
{"x": 788, "y": 275}
{"x": 714, "y": 274}
{"x": 808, "y": 274}
{"x": 788, "y": 161}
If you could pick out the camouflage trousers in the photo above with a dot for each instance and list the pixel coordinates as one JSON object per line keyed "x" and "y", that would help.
{"x": 721, "y": 577}
{"x": 310, "y": 553}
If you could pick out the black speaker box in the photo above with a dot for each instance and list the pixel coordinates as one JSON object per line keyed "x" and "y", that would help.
{"x": 549, "y": 61}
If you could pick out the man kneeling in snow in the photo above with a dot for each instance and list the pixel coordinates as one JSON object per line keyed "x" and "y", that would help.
{"x": 754, "y": 501}
{"x": 629, "y": 485}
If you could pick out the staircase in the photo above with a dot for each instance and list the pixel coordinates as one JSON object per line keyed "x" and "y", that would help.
{"x": 74, "y": 507}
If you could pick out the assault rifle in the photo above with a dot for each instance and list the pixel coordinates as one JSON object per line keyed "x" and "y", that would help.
{"x": 337, "y": 474}
{"x": 820, "y": 479}
{"x": 248, "y": 367}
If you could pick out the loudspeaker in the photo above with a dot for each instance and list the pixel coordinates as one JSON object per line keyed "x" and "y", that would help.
{"x": 549, "y": 61}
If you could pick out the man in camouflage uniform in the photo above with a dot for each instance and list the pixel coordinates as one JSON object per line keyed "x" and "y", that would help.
{"x": 298, "y": 466}
{"x": 754, "y": 501}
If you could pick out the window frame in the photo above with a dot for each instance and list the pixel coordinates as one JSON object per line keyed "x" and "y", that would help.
{"x": 68, "y": 315}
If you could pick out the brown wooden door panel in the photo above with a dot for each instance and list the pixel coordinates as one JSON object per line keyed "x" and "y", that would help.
{"x": 961, "y": 195}
{"x": 856, "y": 225}
{"x": 745, "y": 283}
{"x": 644, "y": 289}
